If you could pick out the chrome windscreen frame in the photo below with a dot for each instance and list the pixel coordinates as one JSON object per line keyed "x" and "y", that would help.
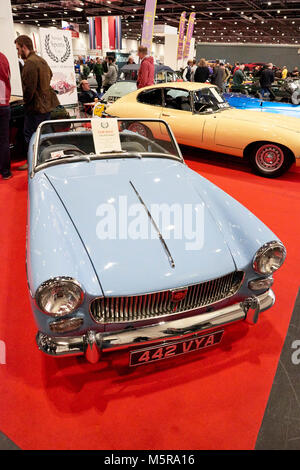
{"x": 36, "y": 167}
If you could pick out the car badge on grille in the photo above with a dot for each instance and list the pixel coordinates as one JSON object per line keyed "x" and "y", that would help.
{"x": 177, "y": 295}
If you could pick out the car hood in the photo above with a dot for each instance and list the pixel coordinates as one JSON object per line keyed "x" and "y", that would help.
{"x": 270, "y": 120}
{"x": 132, "y": 260}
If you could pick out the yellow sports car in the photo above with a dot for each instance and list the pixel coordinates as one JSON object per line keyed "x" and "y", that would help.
{"x": 200, "y": 117}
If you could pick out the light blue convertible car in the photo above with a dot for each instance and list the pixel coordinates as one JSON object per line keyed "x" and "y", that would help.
{"x": 240, "y": 101}
{"x": 127, "y": 247}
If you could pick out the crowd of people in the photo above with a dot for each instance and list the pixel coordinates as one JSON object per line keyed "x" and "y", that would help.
{"x": 39, "y": 97}
{"x": 106, "y": 73}
{"x": 220, "y": 74}
{"x": 202, "y": 72}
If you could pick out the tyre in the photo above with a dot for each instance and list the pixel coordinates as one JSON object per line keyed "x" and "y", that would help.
{"x": 139, "y": 128}
{"x": 295, "y": 98}
{"x": 269, "y": 159}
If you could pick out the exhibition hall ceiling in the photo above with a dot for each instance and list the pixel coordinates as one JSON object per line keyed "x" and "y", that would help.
{"x": 235, "y": 21}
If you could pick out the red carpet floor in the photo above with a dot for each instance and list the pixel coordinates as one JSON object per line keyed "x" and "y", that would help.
{"x": 205, "y": 400}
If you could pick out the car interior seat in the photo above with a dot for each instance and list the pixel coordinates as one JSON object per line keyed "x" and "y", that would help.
{"x": 133, "y": 147}
{"x": 67, "y": 149}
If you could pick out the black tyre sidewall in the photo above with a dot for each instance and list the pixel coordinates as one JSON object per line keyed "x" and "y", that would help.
{"x": 284, "y": 167}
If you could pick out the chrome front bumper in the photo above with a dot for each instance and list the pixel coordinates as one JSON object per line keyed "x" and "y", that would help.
{"x": 93, "y": 344}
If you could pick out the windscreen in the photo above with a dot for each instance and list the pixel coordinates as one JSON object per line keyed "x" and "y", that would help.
{"x": 207, "y": 99}
{"x": 72, "y": 140}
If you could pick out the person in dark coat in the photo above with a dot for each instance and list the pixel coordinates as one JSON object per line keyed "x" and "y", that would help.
{"x": 218, "y": 75}
{"x": 202, "y": 73}
{"x": 98, "y": 72}
{"x": 5, "y": 91}
{"x": 86, "y": 95}
{"x": 39, "y": 98}
{"x": 266, "y": 79}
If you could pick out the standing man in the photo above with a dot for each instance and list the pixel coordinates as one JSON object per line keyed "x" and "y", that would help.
{"x": 5, "y": 91}
{"x": 187, "y": 73}
{"x": 146, "y": 70}
{"x": 238, "y": 78}
{"x": 110, "y": 77}
{"x": 218, "y": 75}
{"x": 98, "y": 71}
{"x": 194, "y": 68}
{"x": 39, "y": 98}
{"x": 266, "y": 80}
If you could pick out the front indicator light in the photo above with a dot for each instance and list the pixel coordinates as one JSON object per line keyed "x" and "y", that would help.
{"x": 261, "y": 284}
{"x": 269, "y": 258}
{"x": 66, "y": 324}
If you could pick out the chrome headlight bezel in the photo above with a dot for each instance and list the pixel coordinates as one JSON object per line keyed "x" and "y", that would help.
{"x": 58, "y": 282}
{"x": 263, "y": 252}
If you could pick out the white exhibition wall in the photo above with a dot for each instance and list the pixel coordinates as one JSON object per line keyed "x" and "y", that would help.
{"x": 8, "y": 47}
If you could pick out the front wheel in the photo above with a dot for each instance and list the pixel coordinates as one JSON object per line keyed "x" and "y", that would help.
{"x": 140, "y": 128}
{"x": 270, "y": 160}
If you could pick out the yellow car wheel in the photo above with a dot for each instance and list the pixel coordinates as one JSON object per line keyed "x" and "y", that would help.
{"x": 140, "y": 128}
{"x": 270, "y": 159}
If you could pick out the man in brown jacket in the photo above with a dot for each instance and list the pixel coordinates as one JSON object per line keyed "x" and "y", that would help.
{"x": 39, "y": 98}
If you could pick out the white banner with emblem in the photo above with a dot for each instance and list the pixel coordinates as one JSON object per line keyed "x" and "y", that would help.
{"x": 56, "y": 49}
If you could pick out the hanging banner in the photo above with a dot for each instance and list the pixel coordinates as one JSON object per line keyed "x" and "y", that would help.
{"x": 98, "y": 33}
{"x": 148, "y": 24}
{"x": 189, "y": 35}
{"x": 105, "y": 32}
{"x": 92, "y": 34}
{"x": 56, "y": 49}
{"x": 181, "y": 35}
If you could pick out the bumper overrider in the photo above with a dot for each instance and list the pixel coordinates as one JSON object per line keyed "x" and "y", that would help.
{"x": 93, "y": 344}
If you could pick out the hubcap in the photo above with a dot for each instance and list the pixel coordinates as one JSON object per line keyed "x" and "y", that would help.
{"x": 138, "y": 128}
{"x": 269, "y": 158}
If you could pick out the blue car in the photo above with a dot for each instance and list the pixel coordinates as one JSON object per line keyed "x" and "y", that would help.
{"x": 240, "y": 101}
{"x": 127, "y": 247}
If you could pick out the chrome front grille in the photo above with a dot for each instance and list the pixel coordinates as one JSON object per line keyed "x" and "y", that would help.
{"x": 157, "y": 304}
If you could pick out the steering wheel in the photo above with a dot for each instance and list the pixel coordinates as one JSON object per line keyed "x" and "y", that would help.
{"x": 200, "y": 107}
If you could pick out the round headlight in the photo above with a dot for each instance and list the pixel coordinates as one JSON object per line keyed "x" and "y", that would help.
{"x": 269, "y": 258}
{"x": 59, "y": 296}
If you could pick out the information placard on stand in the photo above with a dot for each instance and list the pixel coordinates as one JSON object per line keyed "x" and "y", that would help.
{"x": 57, "y": 50}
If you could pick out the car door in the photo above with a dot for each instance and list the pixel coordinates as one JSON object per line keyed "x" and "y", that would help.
{"x": 177, "y": 111}
{"x": 149, "y": 103}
